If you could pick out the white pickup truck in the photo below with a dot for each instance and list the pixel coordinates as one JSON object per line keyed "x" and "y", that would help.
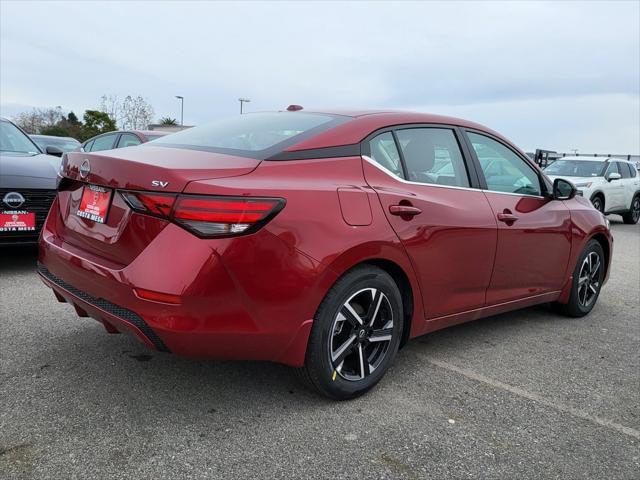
{"x": 612, "y": 185}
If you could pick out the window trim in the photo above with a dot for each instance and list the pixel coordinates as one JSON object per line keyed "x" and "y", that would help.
{"x": 544, "y": 186}
{"x": 472, "y": 174}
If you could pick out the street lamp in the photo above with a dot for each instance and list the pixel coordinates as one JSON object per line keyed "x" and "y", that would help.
{"x": 181, "y": 109}
{"x": 243, "y": 100}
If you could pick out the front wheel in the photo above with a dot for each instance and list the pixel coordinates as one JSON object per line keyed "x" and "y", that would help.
{"x": 598, "y": 203}
{"x": 587, "y": 281}
{"x": 633, "y": 215}
{"x": 356, "y": 334}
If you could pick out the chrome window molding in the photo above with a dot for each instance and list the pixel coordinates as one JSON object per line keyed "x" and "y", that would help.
{"x": 402, "y": 180}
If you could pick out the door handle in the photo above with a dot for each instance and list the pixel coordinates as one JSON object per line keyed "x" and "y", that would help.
{"x": 404, "y": 210}
{"x": 507, "y": 217}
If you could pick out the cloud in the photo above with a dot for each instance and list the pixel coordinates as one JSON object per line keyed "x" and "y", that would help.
{"x": 467, "y": 56}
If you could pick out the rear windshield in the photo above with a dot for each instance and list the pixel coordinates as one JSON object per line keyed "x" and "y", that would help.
{"x": 575, "y": 168}
{"x": 254, "y": 135}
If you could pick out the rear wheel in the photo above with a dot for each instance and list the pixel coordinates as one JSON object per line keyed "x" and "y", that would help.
{"x": 587, "y": 281}
{"x": 633, "y": 215}
{"x": 598, "y": 203}
{"x": 355, "y": 334}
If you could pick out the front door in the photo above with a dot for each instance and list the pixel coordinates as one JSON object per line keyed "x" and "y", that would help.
{"x": 534, "y": 232}
{"x": 447, "y": 228}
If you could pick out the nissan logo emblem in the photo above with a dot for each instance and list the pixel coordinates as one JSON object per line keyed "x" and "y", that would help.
{"x": 13, "y": 199}
{"x": 85, "y": 168}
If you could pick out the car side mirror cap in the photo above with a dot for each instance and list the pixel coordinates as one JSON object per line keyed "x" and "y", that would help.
{"x": 563, "y": 189}
{"x": 51, "y": 150}
{"x": 614, "y": 176}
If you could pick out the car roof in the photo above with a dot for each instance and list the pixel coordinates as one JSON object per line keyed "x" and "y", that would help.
{"x": 592, "y": 159}
{"x": 52, "y": 136}
{"x": 364, "y": 122}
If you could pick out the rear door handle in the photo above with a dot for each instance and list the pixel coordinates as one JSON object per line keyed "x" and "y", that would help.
{"x": 507, "y": 217}
{"x": 404, "y": 210}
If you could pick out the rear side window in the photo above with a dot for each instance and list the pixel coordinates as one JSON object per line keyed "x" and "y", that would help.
{"x": 103, "y": 143}
{"x": 254, "y": 135}
{"x": 633, "y": 170}
{"x": 128, "y": 140}
{"x": 385, "y": 153}
{"x": 504, "y": 171}
{"x": 432, "y": 155}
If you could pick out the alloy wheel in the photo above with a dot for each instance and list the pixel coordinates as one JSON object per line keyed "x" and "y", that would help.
{"x": 597, "y": 204}
{"x": 361, "y": 334}
{"x": 635, "y": 209}
{"x": 589, "y": 279}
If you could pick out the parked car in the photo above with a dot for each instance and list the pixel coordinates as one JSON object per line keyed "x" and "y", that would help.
{"x": 60, "y": 144}
{"x": 120, "y": 139}
{"x": 28, "y": 179}
{"x": 319, "y": 240}
{"x": 612, "y": 185}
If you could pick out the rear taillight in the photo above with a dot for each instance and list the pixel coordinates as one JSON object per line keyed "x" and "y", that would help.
{"x": 207, "y": 216}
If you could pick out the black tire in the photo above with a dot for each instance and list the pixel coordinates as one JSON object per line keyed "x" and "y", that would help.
{"x": 585, "y": 293}
{"x": 598, "y": 202}
{"x": 352, "y": 378}
{"x": 633, "y": 215}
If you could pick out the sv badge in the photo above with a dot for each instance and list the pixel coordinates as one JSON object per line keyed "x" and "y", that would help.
{"x": 159, "y": 183}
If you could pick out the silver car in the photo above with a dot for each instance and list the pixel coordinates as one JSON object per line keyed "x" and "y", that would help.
{"x": 28, "y": 180}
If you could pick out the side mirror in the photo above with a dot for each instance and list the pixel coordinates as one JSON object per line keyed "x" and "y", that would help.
{"x": 614, "y": 176}
{"x": 51, "y": 150}
{"x": 563, "y": 189}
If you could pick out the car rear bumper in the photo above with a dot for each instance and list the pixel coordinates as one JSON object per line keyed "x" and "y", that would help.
{"x": 230, "y": 307}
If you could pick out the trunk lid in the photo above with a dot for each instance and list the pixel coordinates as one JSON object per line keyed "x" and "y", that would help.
{"x": 126, "y": 233}
{"x": 136, "y": 168}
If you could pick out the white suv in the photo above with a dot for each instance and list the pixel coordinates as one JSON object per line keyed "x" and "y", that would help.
{"x": 612, "y": 185}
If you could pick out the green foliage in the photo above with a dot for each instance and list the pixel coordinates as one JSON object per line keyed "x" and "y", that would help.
{"x": 95, "y": 123}
{"x": 57, "y": 130}
{"x": 168, "y": 121}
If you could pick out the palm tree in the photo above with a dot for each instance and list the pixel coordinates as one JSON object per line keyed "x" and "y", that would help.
{"x": 168, "y": 121}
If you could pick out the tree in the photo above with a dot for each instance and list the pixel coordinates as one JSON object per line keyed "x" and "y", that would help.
{"x": 38, "y": 119}
{"x": 168, "y": 121}
{"x": 131, "y": 113}
{"x": 95, "y": 123}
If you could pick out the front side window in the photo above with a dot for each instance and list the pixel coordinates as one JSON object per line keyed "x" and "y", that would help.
{"x": 103, "y": 143}
{"x": 433, "y": 156}
{"x": 128, "y": 140}
{"x": 611, "y": 168}
{"x": 385, "y": 153}
{"x": 624, "y": 170}
{"x": 503, "y": 170}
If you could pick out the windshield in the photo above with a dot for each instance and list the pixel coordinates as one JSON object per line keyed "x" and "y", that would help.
{"x": 64, "y": 144}
{"x": 14, "y": 141}
{"x": 255, "y": 135}
{"x": 575, "y": 168}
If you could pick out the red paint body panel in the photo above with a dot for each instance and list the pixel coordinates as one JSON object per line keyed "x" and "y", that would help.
{"x": 255, "y": 296}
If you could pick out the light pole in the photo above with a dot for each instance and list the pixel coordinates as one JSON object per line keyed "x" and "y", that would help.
{"x": 243, "y": 100}
{"x": 181, "y": 109}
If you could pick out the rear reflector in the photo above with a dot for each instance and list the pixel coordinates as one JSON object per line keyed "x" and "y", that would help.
{"x": 157, "y": 296}
{"x": 208, "y": 216}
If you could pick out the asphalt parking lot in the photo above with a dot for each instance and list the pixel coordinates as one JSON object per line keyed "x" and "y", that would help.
{"x": 527, "y": 394}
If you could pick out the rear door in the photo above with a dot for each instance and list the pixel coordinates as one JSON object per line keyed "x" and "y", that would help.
{"x": 446, "y": 225}
{"x": 534, "y": 232}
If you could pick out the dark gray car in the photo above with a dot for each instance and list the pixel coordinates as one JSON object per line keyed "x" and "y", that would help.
{"x": 28, "y": 180}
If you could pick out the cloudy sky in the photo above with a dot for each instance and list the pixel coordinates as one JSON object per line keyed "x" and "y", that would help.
{"x": 558, "y": 75}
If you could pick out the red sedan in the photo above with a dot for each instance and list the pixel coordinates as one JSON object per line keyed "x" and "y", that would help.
{"x": 319, "y": 240}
